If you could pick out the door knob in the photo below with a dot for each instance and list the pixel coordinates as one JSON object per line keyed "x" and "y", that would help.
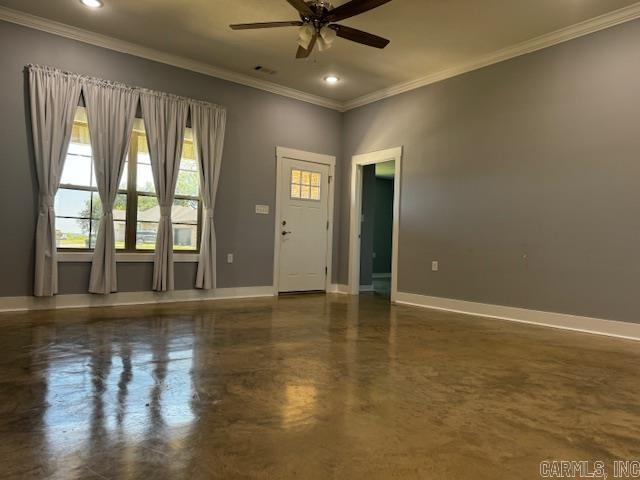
{"x": 284, "y": 232}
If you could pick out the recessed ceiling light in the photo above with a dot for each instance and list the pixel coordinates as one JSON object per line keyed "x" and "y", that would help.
{"x": 91, "y": 3}
{"x": 331, "y": 79}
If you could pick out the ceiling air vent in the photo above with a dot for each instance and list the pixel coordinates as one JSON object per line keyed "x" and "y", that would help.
{"x": 265, "y": 70}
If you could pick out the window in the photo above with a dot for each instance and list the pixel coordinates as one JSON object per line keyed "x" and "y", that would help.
{"x": 136, "y": 212}
{"x": 305, "y": 185}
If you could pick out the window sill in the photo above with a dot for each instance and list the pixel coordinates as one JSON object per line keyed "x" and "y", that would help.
{"x": 125, "y": 257}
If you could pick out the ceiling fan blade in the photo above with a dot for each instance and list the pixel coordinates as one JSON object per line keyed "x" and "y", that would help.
{"x": 359, "y": 36}
{"x": 302, "y": 7}
{"x": 251, "y": 26}
{"x": 305, "y": 52}
{"x": 353, "y": 8}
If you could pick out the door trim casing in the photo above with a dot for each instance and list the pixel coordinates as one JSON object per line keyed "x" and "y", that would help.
{"x": 357, "y": 162}
{"x": 282, "y": 153}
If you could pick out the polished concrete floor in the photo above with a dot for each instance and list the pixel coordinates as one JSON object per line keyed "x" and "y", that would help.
{"x": 306, "y": 387}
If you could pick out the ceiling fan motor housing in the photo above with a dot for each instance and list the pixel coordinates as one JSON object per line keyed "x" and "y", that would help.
{"x": 320, "y": 8}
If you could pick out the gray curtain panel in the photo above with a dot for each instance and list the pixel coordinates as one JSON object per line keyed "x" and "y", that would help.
{"x": 165, "y": 118}
{"x": 54, "y": 97}
{"x": 111, "y": 110}
{"x": 208, "y": 122}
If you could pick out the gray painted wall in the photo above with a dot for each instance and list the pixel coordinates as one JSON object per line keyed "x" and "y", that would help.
{"x": 257, "y": 122}
{"x": 522, "y": 179}
{"x": 383, "y": 226}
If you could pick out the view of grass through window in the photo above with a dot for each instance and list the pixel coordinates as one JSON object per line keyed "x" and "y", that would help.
{"x": 136, "y": 212}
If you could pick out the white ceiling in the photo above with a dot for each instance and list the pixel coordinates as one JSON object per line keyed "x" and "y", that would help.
{"x": 427, "y": 36}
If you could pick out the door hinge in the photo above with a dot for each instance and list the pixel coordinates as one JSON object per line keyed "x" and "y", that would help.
{"x": 327, "y": 224}
{"x": 326, "y": 270}
{"x": 330, "y": 177}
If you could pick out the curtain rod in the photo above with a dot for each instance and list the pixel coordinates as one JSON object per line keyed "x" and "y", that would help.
{"x": 114, "y": 84}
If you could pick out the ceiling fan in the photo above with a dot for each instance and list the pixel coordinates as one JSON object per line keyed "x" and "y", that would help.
{"x": 316, "y": 24}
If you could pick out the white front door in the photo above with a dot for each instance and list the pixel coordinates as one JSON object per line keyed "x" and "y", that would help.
{"x": 303, "y": 226}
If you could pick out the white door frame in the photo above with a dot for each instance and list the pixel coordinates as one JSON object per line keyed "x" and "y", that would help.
{"x": 281, "y": 153}
{"x": 357, "y": 162}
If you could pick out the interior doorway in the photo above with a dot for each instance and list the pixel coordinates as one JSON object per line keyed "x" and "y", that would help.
{"x": 376, "y": 230}
{"x": 373, "y": 264}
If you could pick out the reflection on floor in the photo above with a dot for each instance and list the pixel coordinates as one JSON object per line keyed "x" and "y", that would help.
{"x": 382, "y": 287}
{"x": 306, "y": 387}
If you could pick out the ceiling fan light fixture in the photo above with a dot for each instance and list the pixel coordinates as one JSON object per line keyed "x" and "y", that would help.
{"x": 326, "y": 38}
{"x": 92, "y": 3}
{"x": 305, "y": 35}
{"x": 328, "y": 34}
{"x": 331, "y": 79}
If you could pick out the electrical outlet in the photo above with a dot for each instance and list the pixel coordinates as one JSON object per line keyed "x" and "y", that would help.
{"x": 229, "y": 257}
{"x": 435, "y": 266}
{"x": 262, "y": 209}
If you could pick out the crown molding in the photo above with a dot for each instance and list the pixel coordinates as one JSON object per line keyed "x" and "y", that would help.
{"x": 593, "y": 25}
{"x": 85, "y": 36}
{"x": 587, "y": 27}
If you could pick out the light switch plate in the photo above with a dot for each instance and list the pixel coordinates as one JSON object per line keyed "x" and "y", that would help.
{"x": 435, "y": 266}
{"x": 262, "y": 209}
{"x": 229, "y": 257}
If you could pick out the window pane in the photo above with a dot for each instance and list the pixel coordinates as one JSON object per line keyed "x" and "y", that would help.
{"x": 95, "y": 226}
{"x": 184, "y": 214}
{"x": 185, "y": 211}
{"x": 315, "y": 193}
{"x": 77, "y": 166}
{"x": 77, "y": 171}
{"x": 144, "y": 180}
{"x": 73, "y": 203}
{"x": 119, "y": 207}
{"x": 188, "y": 183}
{"x": 79, "y": 145}
{"x": 295, "y": 191}
{"x": 185, "y": 237}
{"x": 315, "y": 179}
{"x": 305, "y": 192}
{"x": 119, "y": 218}
{"x": 148, "y": 209}
{"x": 188, "y": 150}
{"x": 188, "y": 164}
{"x": 143, "y": 150}
{"x": 146, "y": 235}
{"x": 120, "y": 231}
{"x": 306, "y": 178}
{"x": 124, "y": 177}
{"x": 72, "y": 233}
{"x": 295, "y": 176}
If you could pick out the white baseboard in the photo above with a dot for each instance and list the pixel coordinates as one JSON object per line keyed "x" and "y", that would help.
{"x": 366, "y": 288}
{"x": 611, "y": 328}
{"x": 381, "y": 275}
{"x": 339, "y": 288}
{"x": 16, "y": 304}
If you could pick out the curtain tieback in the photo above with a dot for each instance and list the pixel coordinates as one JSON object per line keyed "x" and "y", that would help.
{"x": 208, "y": 213}
{"x": 165, "y": 211}
{"x": 46, "y": 202}
{"x": 107, "y": 211}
